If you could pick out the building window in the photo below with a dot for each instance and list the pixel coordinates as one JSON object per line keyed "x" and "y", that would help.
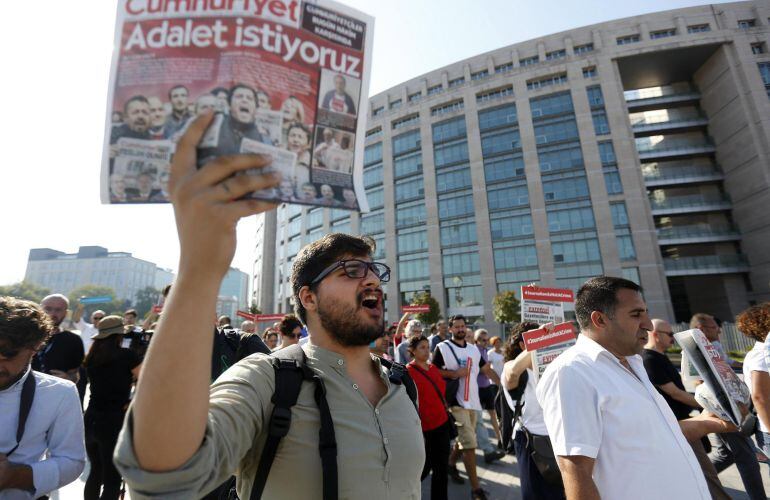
{"x": 455, "y": 206}
{"x": 547, "y": 81}
{"x": 612, "y": 180}
{"x": 625, "y": 40}
{"x": 570, "y": 219}
{"x": 699, "y": 28}
{"x": 407, "y": 165}
{"x": 507, "y": 196}
{"x": 607, "y": 153}
{"x": 453, "y": 178}
{"x": 456, "y": 81}
{"x": 374, "y": 133}
{"x": 413, "y": 268}
{"x": 568, "y": 252}
{"x": 409, "y": 189}
{"x": 376, "y": 198}
{"x": 528, "y": 61}
{"x": 504, "y": 68}
{"x": 503, "y": 168}
{"x": 758, "y": 48}
{"x": 449, "y": 130}
{"x": 562, "y": 157}
{"x": 501, "y": 142}
{"x": 662, "y": 33}
{"x": 450, "y": 153}
{"x": 551, "y": 105}
{"x": 565, "y": 189}
{"x": 745, "y": 24}
{"x": 619, "y": 214}
{"x": 764, "y": 71}
{"x": 412, "y": 242}
{"x": 378, "y": 111}
{"x": 500, "y": 116}
{"x": 411, "y": 215}
{"x": 556, "y": 54}
{"x": 415, "y": 97}
{"x": 516, "y": 257}
{"x": 551, "y": 131}
{"x": 406, "y": 121}
{"x": 584, "y": 49}
{"x": 590, "y": 72}
{"x": 395, "y": 104}
{"x": 492, "y": 95}
{"x": 406, "y": 142}
{"x": 373, "y": 176}
{"x": 625, "y": 244}
{"x": 504, "y": 226}
{"x": 595, "y": 96}
{"x": 458, "y": 232}
{"x": 373, "y": 223}
{"x": 480, "y": 75}
{"x": 447, "y": 108}
{"x": 601, "y": 125}
{"x": 436, "y": 89}
{"x": 373, "y": 153}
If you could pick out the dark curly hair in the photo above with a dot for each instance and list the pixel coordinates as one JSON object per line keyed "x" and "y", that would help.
{"x": 512, "y": 349}
{"x": 319, "y": 255}
{"x": 288, "y": 324}
{"x": 23, "y": 325}
{"x": 754, "y": 322}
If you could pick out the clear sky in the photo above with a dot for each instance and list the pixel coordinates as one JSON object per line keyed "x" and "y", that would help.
{"x": 56, "y": 60}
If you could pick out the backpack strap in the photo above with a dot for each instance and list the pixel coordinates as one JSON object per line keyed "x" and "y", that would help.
{"x": 25, "y": 405}
{"x": 399, "y": 375}
{"x": 290, "y": 371}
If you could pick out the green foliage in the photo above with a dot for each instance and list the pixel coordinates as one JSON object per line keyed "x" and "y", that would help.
{"x": 25, "y": 290}
{"x": 431, "y": 316}
{"x": 506, "y": 308}
{"x": 145, "y": 299}
{"x": 253, "y": 309}
{"x": 114, "y": 307}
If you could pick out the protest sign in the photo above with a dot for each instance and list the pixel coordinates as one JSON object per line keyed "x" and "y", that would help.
{"x": 725, "y": 394}
{"x": 546, "y": 346}
{"x": 422, "y": 308}
{"x": 544, "y": 305}
{"x": 102, "y": 299}
{"x": 268, "y": 317}
{"x": 284, "y": 78}
{"x": 245, "y": 315}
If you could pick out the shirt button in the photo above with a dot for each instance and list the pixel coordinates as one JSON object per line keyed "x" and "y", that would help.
{"x": 385, "y": 440}
{"x": 355, "y": 386}
{"x": 376, "y": 411}
{"x": 340, "y": 362}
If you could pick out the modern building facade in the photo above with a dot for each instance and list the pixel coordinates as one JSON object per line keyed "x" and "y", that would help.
{"x": 93, "y": 265}
{"x": 233, "y": 293}
{"x": 637, "y": 148}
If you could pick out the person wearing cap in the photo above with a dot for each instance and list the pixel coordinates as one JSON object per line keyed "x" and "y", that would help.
{"x": 111, "y": 370}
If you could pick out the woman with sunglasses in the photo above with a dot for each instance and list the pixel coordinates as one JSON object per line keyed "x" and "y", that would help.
{"x": 431, "y": 390}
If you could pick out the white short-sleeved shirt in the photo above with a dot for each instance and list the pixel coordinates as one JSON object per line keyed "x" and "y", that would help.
{"x": 497, "y": 360}
{"x": 531, "y": 412}
{"x": 468, "y": 390}
{"x": 595, "y": 407}
{"x": 755, "y": 362}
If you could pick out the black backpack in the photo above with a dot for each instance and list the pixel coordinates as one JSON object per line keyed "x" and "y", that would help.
{"x": 506, "y": 416}
{"x": 230, "y": 346}
{"x": 291, "y": 371}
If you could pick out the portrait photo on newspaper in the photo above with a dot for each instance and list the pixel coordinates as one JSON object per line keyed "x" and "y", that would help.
{"x": 288, "y": 83}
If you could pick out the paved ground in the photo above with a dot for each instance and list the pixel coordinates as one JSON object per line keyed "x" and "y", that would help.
{"x": 499, "y": 479}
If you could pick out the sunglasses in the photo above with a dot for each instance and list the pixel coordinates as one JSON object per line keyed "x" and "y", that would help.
{"x": 356, "y": 269}
{"x": 292, "y": 336}
{"x": 98, "y": 318}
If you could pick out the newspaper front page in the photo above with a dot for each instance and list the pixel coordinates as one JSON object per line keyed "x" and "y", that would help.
{"x": 728, "y": 397}
{"x": 544, "y": 305}
{"x": 285, "y": 78}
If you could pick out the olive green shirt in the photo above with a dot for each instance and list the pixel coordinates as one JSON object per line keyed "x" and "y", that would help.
{"x": 380, "y": 450}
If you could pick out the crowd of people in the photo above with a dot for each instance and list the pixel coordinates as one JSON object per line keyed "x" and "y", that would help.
{"x": 329, "y": 403}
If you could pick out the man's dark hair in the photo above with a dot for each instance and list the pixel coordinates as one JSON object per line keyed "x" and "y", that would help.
{"x": 23, "y": 325}
{"x": 512, "y": 348}
{"x": 136, "y": 98}
{"x": 456, "y": 317}
{"x": 600, "y": 294}
{"x": 132, "y": 312}
{"x": 300, "y": 126}
{"x": 240, "y": 86}
{"x": 177, "y": 87}
{"x": 224, "y": 320}
{"x": 288, "y": 324}
{"x": 319, "y": 255}
{"x": 218, "y": 90}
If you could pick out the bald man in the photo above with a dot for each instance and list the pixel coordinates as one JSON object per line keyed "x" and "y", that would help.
{"x": 248, "y": 326}
{"x": 63, "y": 353}
{"x": 666, "y": 379}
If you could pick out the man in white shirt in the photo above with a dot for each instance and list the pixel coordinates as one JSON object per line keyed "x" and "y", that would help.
{"x": 87, "y": 330}
{"x": 50, "y": 452}
{"x": 610, "y": 429}
{"x": 459, "y": 360}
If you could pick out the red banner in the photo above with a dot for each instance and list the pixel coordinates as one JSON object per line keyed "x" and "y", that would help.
{"x": 537, "y": 339}
{"x": 268, "y": 317}
{"x": 547, "y": 294}
{"x": 422, "y": 308}
{"x": 245, "y": 315}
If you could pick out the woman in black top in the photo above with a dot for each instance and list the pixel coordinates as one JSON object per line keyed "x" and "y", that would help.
{"x": 111, "y": 370}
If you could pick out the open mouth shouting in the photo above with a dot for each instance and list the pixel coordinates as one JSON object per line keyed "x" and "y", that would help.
{"x": 371, "y": 301}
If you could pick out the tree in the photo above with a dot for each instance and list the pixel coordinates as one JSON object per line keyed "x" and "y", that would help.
{"x": 25, "y": 290}
{"x": 114, "y": 307}
{"x": 145, "y": 299}
{"x": 253, "y": 309}
{"x": 431, "y": 316}
{"x": 506, "y": 308}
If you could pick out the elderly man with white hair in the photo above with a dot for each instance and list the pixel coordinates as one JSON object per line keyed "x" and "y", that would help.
{"x": 413, "y": 329}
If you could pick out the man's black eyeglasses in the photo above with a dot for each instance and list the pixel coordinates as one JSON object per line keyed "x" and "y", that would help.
{"x": 356, "y": 269}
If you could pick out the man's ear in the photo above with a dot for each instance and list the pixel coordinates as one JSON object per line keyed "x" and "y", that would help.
{"x": 308, "y": 299}
{"x": 598, "y": 320}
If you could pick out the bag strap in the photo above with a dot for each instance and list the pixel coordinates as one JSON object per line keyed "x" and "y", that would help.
{"x": 449, "y": 345}
{"x": 290, "y": 371}
{"x": 399, "y": 375}
{"x": 25, "y": 405}
{"x": 422, "y": 372}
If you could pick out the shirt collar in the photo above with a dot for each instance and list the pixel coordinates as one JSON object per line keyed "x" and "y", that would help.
{"x": 319, "y": 355}
{"x": 17, "y": 385}
{"x": 594, "y": 350}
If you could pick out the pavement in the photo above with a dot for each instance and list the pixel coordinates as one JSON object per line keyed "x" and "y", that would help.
{"x": 499, "y": 479}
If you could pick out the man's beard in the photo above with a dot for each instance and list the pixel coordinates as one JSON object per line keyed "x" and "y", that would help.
{"x": 345, "y": 327}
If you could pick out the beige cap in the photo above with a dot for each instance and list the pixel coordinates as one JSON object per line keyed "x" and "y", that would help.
{"x": 109, "y": 325}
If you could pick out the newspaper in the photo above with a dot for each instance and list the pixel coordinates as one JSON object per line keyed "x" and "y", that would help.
{"x": 289, "y": 75}
{"x": 546, "y": 346}
{"x": 544, "y": 305}
{"x": 722, "y": 392}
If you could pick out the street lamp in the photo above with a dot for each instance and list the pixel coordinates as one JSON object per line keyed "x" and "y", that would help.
{"x": 458, "y": 281}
